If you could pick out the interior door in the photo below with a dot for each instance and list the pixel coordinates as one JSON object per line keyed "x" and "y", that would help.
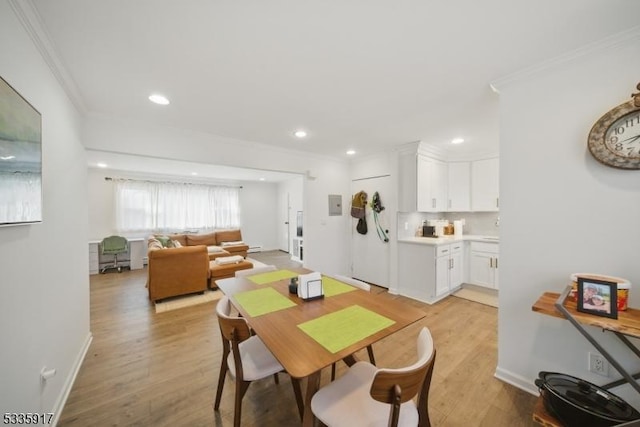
{"x": 284, "y": 238}
{"x": 369, "y": 253}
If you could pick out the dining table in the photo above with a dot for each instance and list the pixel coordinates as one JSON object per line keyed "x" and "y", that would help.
{"x": 306, "y": 336}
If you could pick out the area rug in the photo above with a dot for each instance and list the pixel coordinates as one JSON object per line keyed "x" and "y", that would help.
{"x": 195, "y": 299}
{"x": 187, "y": 301}
{"x": 478, "y": 294}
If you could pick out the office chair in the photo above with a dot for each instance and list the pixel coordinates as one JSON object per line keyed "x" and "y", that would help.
{"x": 114, "y": 245}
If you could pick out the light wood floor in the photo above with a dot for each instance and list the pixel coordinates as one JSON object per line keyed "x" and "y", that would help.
{"x": 146, "y": 369}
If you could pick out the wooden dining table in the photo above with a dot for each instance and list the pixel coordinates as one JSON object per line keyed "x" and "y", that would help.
{"x": 300, "y": 354}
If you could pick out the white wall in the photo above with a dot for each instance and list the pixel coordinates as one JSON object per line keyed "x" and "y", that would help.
{"x": 561, "y": 211}
{"x": 326, "y": 244}
{"x": 258, "y": 208}
{"x": 44, "y": 297}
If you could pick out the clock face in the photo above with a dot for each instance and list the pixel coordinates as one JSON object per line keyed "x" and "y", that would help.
{"x": 614, "y": 140}
{"x": 623, "y": 136}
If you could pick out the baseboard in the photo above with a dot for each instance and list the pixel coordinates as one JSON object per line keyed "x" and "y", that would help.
{"x": 516, "y": 381}
{"x": 71, "y": 379}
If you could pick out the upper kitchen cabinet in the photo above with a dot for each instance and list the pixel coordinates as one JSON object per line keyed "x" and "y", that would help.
{"x": 432, "y": 177}
{"x": 485, "y": 185}
{"x": 459, "y": 186}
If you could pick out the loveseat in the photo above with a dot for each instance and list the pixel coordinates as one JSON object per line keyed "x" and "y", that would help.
{"x": 179, "y": 264}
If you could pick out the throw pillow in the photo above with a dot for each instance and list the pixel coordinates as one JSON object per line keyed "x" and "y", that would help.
{"x": 165, "y": 240}
{"x": 155, "y": 244}
{"x": 176, "y": 244}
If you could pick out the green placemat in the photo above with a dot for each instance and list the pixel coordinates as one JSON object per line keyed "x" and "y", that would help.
{"x": 340, "y": 329}
{"x": 272, "y": 276}
{"x": 333, "y": 287}
{"x": 263, "y": 301}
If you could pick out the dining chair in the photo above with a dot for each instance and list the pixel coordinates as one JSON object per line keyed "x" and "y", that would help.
{"x": 246, "y": 358}
{"x": 365, "y": 287}
{"x": 371, "y": 396}
{"x": 257, "y": 270}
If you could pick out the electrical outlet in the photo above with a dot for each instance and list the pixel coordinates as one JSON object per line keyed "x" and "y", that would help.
{"x": 598, "y": 364}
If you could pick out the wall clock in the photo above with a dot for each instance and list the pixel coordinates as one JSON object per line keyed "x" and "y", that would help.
{"x": 614, "y": 139}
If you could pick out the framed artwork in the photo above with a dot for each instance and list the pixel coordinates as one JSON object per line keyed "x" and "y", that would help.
{"x": 20, "y": 159}
{"x": 598, "y": 297}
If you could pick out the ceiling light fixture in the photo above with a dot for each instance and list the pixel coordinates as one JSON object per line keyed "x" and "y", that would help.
{"x": 7, "y": 157}
{"x": 261, "y": 179}
{"x": 194, "y": 173}
{"x": 351, "y": 152}
{"x": 457, "y": 141}
{"x": 102, "y": 165}
{"x": 300, "y": 134}
{"x": 159, "y": 99}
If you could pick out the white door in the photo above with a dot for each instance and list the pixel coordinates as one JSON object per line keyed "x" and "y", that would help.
{"x": 283, "y": 222}
{"x": 369, "y": 253}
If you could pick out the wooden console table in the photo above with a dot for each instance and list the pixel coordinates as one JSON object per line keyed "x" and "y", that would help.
{"x": 626, "y": 325}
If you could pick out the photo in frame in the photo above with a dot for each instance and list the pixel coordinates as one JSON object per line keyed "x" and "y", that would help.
{"x": 598, "y": 297}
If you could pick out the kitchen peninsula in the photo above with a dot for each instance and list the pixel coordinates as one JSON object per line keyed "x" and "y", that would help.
{"x": 431, "y": 268}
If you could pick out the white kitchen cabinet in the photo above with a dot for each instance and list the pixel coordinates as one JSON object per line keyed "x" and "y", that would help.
{"x": 459, "y": 186}
{"x": 484, "y": 264}
{"x": 485, "y": 195}
{"x": 431, "y": 185}
{"x": 449, "y": 267}
{"x": 429, "y": 273}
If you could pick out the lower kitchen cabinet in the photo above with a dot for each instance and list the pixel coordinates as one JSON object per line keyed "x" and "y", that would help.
{"x": 483, "y": 264}
{"x": 429, "y": 273}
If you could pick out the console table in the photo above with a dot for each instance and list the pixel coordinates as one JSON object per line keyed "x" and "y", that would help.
{"x": 626, "y": 325}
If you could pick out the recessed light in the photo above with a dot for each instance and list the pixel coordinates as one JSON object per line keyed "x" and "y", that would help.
{"x": 300, "y": 134}
{"x": 7, "y": 157}
{"x": 194, "y": 173}
{"x": 261, "y": 179}
{"x": 457, "y": 141}
{"x": 102, "y": 165}
{"x": 159, "y": 99}
{"x": 351, "y": 152}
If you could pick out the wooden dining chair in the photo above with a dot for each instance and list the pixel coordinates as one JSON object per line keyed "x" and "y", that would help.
{"x": 365, "y": 287}
{"x": 246, "y": 358}
{"x": 369, "y": 396}
{"x": 256, "y": 270}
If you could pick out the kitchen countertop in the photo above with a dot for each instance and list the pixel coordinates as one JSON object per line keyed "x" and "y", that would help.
{"x": 436, "y": 241}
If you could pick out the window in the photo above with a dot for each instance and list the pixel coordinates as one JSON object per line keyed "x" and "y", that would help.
{"x": 147, "y": 206}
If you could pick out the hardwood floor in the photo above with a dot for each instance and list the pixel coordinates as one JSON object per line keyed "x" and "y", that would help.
{"x": 162, "y": 369}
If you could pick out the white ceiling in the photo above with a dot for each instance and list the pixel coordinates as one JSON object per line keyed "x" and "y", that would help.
{"x": 359, "y": 74}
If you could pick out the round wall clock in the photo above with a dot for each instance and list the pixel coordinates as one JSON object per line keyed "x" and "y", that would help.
{"x": 614, "y": 139}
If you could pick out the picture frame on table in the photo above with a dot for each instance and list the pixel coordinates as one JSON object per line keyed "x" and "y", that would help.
{"x": 598, "y": 297}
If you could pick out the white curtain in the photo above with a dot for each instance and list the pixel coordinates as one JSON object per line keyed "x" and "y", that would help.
{"x": 20, "y": 197}
{"x": 147, "y": 206}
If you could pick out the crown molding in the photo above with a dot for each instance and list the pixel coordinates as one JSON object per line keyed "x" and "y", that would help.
{"x": 28, "y": 16}
{"x": 611, "y": 42}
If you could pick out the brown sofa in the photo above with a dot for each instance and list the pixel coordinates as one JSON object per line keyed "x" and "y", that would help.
{"x": 177, "y": 271}
{"x": 218, "y": 243}
{"x": 183, "y": 267}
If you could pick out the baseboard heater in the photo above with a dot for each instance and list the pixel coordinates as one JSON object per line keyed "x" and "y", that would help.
{"x": 254, "y": 249}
